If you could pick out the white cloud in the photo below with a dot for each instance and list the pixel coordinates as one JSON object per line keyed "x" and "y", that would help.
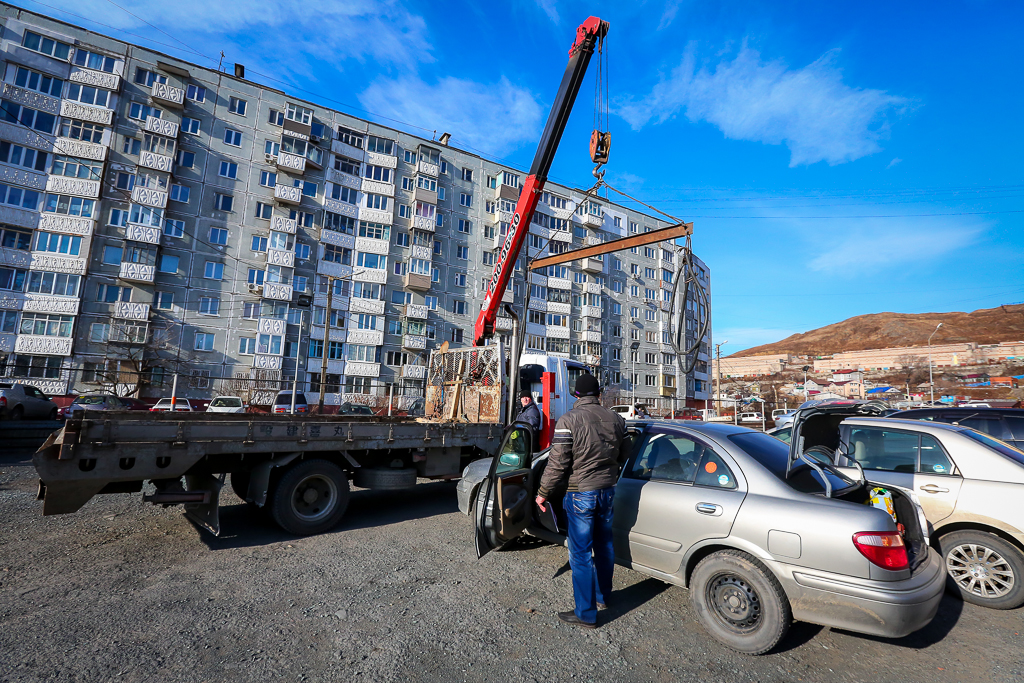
{"x": 289, "y": 37}
{"x": 550, "y": 8}
{"x": 492, "y": 117}
{"x": 669, "y": 15}
{"x": 894, "y": 162}
{"x": 867, "y": 246}
{"x": 810, "y": 110}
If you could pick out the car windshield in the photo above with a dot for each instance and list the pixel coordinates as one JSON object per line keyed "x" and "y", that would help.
{"x": 224, "y": 402}
{"x": 774, "y": 455}
{"x": 90, "y": 400}
{"x": 1002, "y": 448}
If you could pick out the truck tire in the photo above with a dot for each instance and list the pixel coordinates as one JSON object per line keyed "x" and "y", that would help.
{"x": 739, "y": 602}
{"x": 385, "y": 478}
{"x": 984, "y": 569}
{"x": 310, "y": 497}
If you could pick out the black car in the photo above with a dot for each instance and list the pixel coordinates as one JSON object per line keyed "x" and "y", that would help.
{"x": 1005, "y": 424}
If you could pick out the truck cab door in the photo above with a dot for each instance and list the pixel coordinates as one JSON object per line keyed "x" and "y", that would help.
{"x": 504, "y": 507}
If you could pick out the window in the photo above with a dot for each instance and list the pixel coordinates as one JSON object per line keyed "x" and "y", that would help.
{"x": 31, "y": 118}
{"x": 337, "y": 254}
{"x": 459, "y": 279}
{"x": 8, "y": 321}
{"x": 344, "y": 194}
{"x": 209, "y": 305}
{"x": 256, "y": 276}
{"x": 232, "y": 137}
{"x": 141, "y": 112}
{"x": 380, "y": 145}
{"x": 465, "y": 226}
{"x": 174, "y": 228}
{"x": 259, "y": 244}
{"x": 186, "y": 159}
{"x": 58, "y": 284}
{"x": 465, "y": 199}
{"x": 33, "y": 80}
{"x": 301, "y": 218}
{"x": 213, "y": 270}
{"x": 459, "y": 307}
{"x": 892, "y": 451}
{"x": 190, "y": 126}
{"x": 218, "y": 236}
{"x": 487, "y": 258}
{"x": 45, "y": 324}
{"x": 35, "y": 160}
{"x": 15, "y": 238}
{"x": 112, "y": 255}
{"x": 146, "y": 215}
{"x": 237, "y": 106}
{"x": 223, "y": 202}
{"x": 456, "y": 336}
{"x": 462, "y": 252}
{"x": 99, "y": 332}
{"x": 247, "y": 346}
{"x": 86, "y": 94}
{"x": 58, "y": 244}
{"x": 264, "y": 210}
{"x": 204, "y": 341}
{"x": 302, "y": 253}
{"x": 148, "y": 78}
{"x": 229, "y": 169}
{"x": 376, "y": 201}
{"x": 402, "y": 239}
{"x": 47, "y": 46}
{"x": 164, "y": 300}
{"x": 467, "y": 175}
{"x": 374, "y": 261}
{"x": 377, "y": 231}
{"x": 180, "y": 193}
{"x": 430, "y": 302}
{"x": 94, "y": 60}
{"x": 196, "y": 93}
{"x": 276, "y": 118}
{"x": 69, "y": 167}
{"x": 379, "y": 173}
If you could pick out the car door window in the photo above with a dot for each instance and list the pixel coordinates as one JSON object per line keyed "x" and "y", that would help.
{"x": 991, "y": 425}
{"x": 667, "y": 457}
{"x": 1016, "y": 425}
{"x": 515, "y": 452}
{"x": 933, "y": 458}
{"x": 883, "y": 449}
{"x": 713, "y": 472}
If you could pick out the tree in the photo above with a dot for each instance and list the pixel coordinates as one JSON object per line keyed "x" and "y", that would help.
{"x": 139, "y": 354}
{"x": 912, "y": 369}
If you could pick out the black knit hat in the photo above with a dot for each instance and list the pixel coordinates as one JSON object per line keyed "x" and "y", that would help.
{"x": 587, "y": 385}
{"x": 525, "y": 393}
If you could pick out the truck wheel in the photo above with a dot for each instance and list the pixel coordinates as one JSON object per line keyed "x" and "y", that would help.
{"x": 984, "y": 569}
{"x": 739, "y": 602}
{"x": 310, "y": 497}
{"x": 385, "y": 478}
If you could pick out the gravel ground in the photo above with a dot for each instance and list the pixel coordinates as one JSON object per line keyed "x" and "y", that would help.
{"x": 123, "y": 591}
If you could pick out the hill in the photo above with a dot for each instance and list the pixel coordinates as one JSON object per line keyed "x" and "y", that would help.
{"x": 883, "y": 330}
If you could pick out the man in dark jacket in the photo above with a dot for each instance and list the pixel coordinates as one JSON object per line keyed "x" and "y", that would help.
{"x": 529, "y": 413}
{"x": 587, "y": 451}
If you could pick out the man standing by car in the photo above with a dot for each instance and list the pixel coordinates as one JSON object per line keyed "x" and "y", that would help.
{"x": 587, "y": 450}
{"x": 529, "y": 413}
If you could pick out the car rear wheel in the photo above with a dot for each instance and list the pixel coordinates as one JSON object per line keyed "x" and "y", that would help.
{"x": 53, "y": 415}
{"x": 739, "y": 602}
{"x": 310, "y": 498}
{"x": 17, "y": 413}
{"x": 984, "y": 569}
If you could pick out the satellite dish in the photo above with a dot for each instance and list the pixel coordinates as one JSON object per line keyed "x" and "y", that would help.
{"x": 444, "y": 347}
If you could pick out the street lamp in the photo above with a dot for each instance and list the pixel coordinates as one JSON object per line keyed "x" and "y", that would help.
{"x": 931, "y": 383}
{"x": 805, "y": 369}
{"x": 718, "y": 377}
{"x": 632, "y": 379}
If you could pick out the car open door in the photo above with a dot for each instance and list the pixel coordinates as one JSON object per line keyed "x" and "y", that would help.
{"x": 504, "y": 507}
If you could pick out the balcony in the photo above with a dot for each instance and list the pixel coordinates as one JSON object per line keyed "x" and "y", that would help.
{"x": 167, "y": 95}
{"x": 131, "y": 310}
{"x": 298, "y": 129}
{"x": 366, "y": 337}
{"x": 157, "y": 162}
{"x": 502, "y": 324}
{"x": 559, "y": 283}
{"x": 343, "y": 208}
{"x": 282, "y": 224}
{"x": 168, "y": 129}
{"x": 590, "y": 336}
{"x": 427, "y": 168}
{"x": 593, "y": 221}
{"x": 142, "y": 233}
{"x": 147, "y": 197}
{"x": 376, "y": 216}
{"x": 417, "y": 282}
{"x": 262, "y": 361}
{"x": 357, "y": 369}
{"x": 80, "y": 187}
{"x": 291, "y": 162}
{"x": 281, "y": 257}
{"x": 287, "y": 195}
{"x": 414, "y": 371}
{"x": 414, "y": 341}
{"x": 315, "y": 156}
{"x": 372, "y": 246}
{"x": 590, "y": 311}
{"x": 75, "y": 110}
{"x": 556, "y": 332}
{"x": 100, "y": 79}
{"x": 508, "y": 296}
{"x": 425, "y": 195}
{"x": 137, "y": 272}
{"x": 592, "y": 288}
{"x": 38, "y": 344}
{"x": 558, "y": 307}
{"x": 277, "y": 291}
{"x": 592, "y": 265}
{"x": 376, "y": 187}
{"x": 415, "y": 312}
{"x": 666, "y": 391}
{"x": 371, "y": 306}
{"x": 428, "y": 224}
{"x": 503, "y": 191}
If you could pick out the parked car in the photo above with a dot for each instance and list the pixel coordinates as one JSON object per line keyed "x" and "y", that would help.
{"x": 103, "y": 402}
{"x": 758, "y": 540}
{"x": 25, "y": 402}
{"x": 781, "y": 433}
{"x": 633, "y": 412}
{"x": 1005, "y": 424}
{"x": 781, "y": 412}
{"x": 283, "y": 403}
{"x": 347, "y": 408}
{"x": 227, "y": 404}
{"x": 750, "y": 418}
{"x": 969, "y": 484}
{"x": 181, "y": 405}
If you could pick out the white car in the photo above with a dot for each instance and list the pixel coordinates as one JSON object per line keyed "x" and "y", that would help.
{"x": 748, "y": 418}
{"x": 227, "y": 404}
{"x": 635, "y": 412}
{"x": 164, "y": 406}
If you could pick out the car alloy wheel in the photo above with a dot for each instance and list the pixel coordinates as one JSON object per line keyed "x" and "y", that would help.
{"x": 735, "y": 602}
{"x": 979, "y": 570}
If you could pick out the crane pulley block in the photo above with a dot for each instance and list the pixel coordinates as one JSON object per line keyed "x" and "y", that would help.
{"x": 600, "y": 145}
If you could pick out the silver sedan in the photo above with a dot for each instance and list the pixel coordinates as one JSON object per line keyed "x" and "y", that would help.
{"x": 758, "y": 540}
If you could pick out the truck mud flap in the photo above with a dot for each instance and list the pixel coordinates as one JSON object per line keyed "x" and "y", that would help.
{"x": 207, "y": 513}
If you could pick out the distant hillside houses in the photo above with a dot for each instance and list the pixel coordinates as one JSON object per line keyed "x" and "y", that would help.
{"x": 893, "y": 358}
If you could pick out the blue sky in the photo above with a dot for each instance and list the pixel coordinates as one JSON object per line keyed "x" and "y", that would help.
{"x": 836, "y": 158}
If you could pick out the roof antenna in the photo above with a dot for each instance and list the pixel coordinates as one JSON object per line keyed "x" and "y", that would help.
{"x": 221, "y": 61}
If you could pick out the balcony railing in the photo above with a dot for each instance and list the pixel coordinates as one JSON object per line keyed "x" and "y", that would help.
{"x": 287, "y": 195}
{"x": 414, "y": 341}
{"x": 131, "y": 310}
{"x": 167, "y": 94}
{"x": 416, "y": 311}
{"x": 142, "y": 233}
{"x": 291, "y": 162}
{"x": 157, "y": 162}
{"x": 43, "y": 345}
{"x": 414, "y": 371}
{"x": 417, "y": 281}
{"x": 161, "y": 127}
{"x": 144, "y": 195}
{"x": 424, "y": 223}
{"x": 137, "y": 272}
{"x": 277, "y": 291}
{"x": 592, "y": 265}
{"x": 358, "y": 369}
{"x": 281, "y": 257}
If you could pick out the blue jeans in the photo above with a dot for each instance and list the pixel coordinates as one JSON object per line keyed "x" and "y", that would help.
{"x": 591, "y": 553}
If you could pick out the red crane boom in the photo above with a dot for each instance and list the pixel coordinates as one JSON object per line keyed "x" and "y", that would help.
{"x": 589, "y": 33}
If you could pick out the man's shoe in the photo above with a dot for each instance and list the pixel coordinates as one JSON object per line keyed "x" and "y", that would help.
{"x": 571, "y": 618}
{"x": 601, "y": 605}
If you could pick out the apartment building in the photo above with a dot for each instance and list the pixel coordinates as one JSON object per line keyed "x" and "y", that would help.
{"x": 161, "y": 219}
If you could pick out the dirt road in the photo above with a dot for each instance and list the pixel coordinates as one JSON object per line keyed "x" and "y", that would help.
{"x": 129, "y": 592}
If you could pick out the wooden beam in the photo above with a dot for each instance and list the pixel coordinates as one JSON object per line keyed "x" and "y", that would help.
{"x": 670, "y": 233}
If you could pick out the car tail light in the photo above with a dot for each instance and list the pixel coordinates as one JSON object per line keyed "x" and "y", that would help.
{"x": 3, "y": 401}
{"x": 883, "y": 548}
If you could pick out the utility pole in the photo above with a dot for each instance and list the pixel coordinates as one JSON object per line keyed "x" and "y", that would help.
{"x": 295, "y": 376}
{"x": 632, "y": 357}
{"x": 718, "y": 378}
{"x": 931, "y": 382}
{"x": 327, "y": 335}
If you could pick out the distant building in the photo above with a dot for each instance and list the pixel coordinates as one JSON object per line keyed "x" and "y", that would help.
{"x": 752, "y": 366}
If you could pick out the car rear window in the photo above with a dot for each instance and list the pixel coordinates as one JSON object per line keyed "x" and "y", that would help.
{"x": 226, "y": 403}
{"x": 1004, "y": 449}
{"x": 90, "y": 400}
{"x": 774, "y": 455}
{"x": 286, "y": 399}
